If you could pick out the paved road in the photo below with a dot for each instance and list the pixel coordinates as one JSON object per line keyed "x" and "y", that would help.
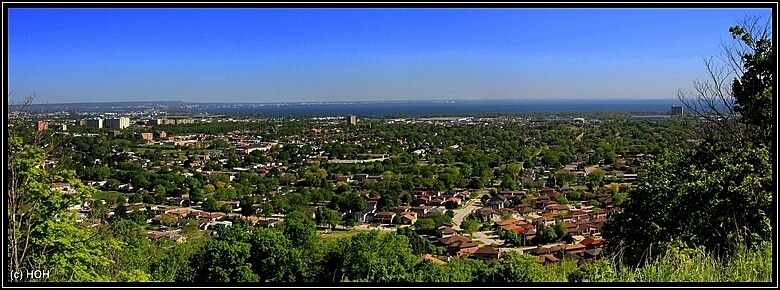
{"x": 461, "y": 213}
{"x": 488, "y": 240}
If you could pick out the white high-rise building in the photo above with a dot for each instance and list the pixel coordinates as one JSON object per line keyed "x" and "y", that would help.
{"x": 121, "y": 122}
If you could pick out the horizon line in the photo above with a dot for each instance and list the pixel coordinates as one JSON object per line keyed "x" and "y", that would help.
{"x": 351, "y": 101}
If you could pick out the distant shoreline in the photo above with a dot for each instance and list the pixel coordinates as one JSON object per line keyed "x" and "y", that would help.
{"x": 413, "y": 108}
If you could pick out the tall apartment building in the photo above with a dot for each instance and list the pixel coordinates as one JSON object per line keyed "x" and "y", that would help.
{"x": 96, "y": 123}
{"x": 41, "y": 125}
{"x": 120, "y": 123}
{"x": 60, "y": 127}
{"x": 677, "y": 110}
{"x": 147, "y": 136}
{"x": 352, "y": 120}
{"x": 184, "y": 121}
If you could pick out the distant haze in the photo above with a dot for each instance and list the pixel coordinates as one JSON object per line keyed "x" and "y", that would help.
{"x": 306, "y": 55}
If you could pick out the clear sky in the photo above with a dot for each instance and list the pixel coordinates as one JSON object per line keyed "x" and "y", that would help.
{"x": 280, "y": 55}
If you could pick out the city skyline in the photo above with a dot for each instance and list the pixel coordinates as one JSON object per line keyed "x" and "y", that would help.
{"x": 341, "y": 55}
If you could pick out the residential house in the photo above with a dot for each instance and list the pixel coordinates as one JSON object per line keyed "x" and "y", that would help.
{"x": 459, "y": 245}
{"x": 529, "y": 234}
{"x": 371, "y": 205}
{"x": 568, "y": 256}
{"x": 436, "y": 210}
{"x": 574, "y": 249}
{"x": 554, "y": 208}
{"x": 220, "y": 224}
{"x": 452, "y": 202}
{"x": 591, "y": 254}
{"x": 509, "y": 222}
{"x": 385, "y": 217}
{"x": 408, "y": 218}
{"x": 548, "y": 260}
{"x": 445, "y": 232}
{"x": 545, "y": 250}
{"x": 524, "y": 210}
{"x": 176, "y": 201}
{"x": 592, "y": 243}
{"x": 577, "y": 215}
{"x": 267, "y": 223}
{"x": 508, "y": 211}
{"x": 400, "y": 209}
{"x": 175, "y": 237}
{"x": 210, "y": 216}
{"x": 488, "y": 214}
{"x": 547, "y": 221}
{"x": 499, "y": 201}
{"x": 363, "y": 216}
{"x": 487, "y": 253}
{"x": 598, "y": 214}
{"x": 419, "y": 201}
{"x": 421, "y": 211}
{"x": 443, "y": 224}
{"x": 436, "y": 201}
{"x": 544, "y": 203}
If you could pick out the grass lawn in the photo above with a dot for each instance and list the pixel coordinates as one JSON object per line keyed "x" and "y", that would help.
{"x": 103, "y": 194}
{"x": 337, "y": 234}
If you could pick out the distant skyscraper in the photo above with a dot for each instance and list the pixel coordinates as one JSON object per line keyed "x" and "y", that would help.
{"x": 352, "y": 120}
{"x": 677, "y": 110}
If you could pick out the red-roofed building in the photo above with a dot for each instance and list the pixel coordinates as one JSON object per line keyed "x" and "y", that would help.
{"x": 592, "y": 243}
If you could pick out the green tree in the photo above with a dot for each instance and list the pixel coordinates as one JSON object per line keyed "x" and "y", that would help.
{"x": 373, "y": 257}
{"x": 42, "y": 232}
{"x": 133, "y": 256}
{"x": 749, "y": 61}
{"x": 469, "y": 226}
{"x": 425, "y": 225}
{"x": 225, "y": 259}
{"x": 168, "y": 219}
{"x": 98, "y": 210}
{"x": 716, "y": 197}
{"x": 595, "y": 178}
{"x": 274, "y": 257}
{"x": 210, "y": 204}
{"x": 564, "y": 178}
{"x": 520, "y": 268}
{"x": 265, "y": 210}
{"x": 299, "y": 227}
{"x": 753, "y": 90}
{"x": 560, "y": 230}
{"x": 226, "y": 208}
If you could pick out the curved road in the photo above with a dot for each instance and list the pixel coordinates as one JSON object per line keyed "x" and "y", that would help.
{"x": 461, "y": 214}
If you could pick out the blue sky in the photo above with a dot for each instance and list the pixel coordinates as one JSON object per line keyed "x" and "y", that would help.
{"x": 279, "y": 55}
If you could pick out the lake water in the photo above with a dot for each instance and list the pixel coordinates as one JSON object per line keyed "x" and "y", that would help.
{"x": 431, "y": 108}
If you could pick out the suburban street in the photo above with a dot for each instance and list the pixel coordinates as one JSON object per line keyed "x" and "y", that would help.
{"x": 461, "y": 214}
